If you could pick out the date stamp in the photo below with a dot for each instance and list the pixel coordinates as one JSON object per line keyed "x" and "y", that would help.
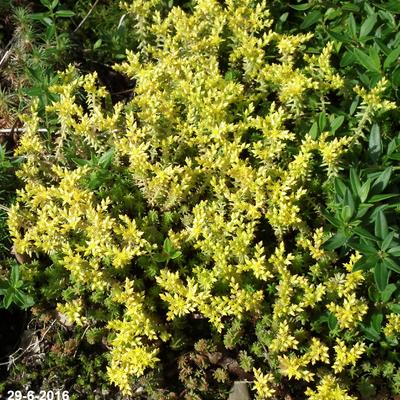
{"x": 42, "y": 395}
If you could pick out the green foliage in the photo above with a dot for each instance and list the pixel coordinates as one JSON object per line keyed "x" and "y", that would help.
{"x": 8, "y": 185}
{"x": 365, "y": 34}
{"x": 13, "y": 290}
{"x": 49, "y": 20}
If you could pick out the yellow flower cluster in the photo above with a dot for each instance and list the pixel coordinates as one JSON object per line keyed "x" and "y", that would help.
{"x": 263, "y": 384}
{"x": 287, "y": 45}
{"x": 350, "y": 313}
{"x": 294, "y": 366}
{"x": 83, "y": 128}
{"x": 328, "y": 389}
{"x": 392, "y": 327}
{"x": 131, "y": 355}
{"x": 331, "y": 152}
{"x": 373, "y": 98}
{"x": 183, "y": 140}
{"x": 352, "y": 309}
{"x": 346, "y": 356}
{"x": 321, "y": 69}
{"x": 294, "y": 294}
{"x": 183, "y": 299}
{"x": 73, "y": 312}
{"x": 314, "y": 246}
{"x": 283, "y": 340}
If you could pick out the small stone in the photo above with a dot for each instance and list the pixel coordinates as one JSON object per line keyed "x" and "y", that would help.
{"x": 239, "y": 391}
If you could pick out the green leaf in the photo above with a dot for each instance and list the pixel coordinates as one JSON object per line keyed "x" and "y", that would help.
{"x": 336, "y": 241}
{"x": 393, "y": 145}
{"x": 363, "y": 233}
{"x": 337, "y": 36}
{"x": 363, "y": 209}
{"x": 354, "y": 105}
{"x": 395, "y": 156}
{"x": 373, "y": 293}
{"x": 80, "y": 162}
{"x": 160, "y": 258}
{"x": 381, "y": 274}
{"x": 395, "y": 251}
{"x": 350, "y": 7}
{"x": 167, "y": 246}
{"x": 332, "y": 220}
{"x": 391, "y": 58}
{"x": 387, "y": 293}
{"x": 392, "y": 5}
{"x": 332, "y": 14}
{"x": 375, "y": 143}
{"x": 311, "y": 19}
{"x": 395, "y": 308}
{"x": 364, "y": 191}
{"x": 396, "y": 77}
{"x": 300, "y": 7}
{"x": 376, "y": 321}
{"x": 106, "y": 159}
{"x": 348, "y": 200}
{"x": 314, "y": 131}
{"x": 48, "y": 21}
{"x": 332, "y": 321}
{"x": 23, "y": 300}
{"x": 368, "y": 25}
{"x": 387, "y": 241}
{"x": 346, "y": 213}
{"x": 370, "y": 333}
{"x": 382, "y": 207}
{"x": 337, "y": 123}
{"x": 97, "y": 44}
{"x": 322, "y": 121}
{"x": 382, "y": 181}
{"x": 373, "y": 53}
{"x": 65, "y": 13}
{"x": 351, "y": 23}
{"x": 381, "y": 227}
{"x": 284, "y": 17}
{"x": 175, "y": 255}
{"x": 340, "y": 187}
{"x": 347, "y": 59}
{"x": 14, "y": 277}
{"x": 381, "y": 43}
{"x": 366, "y": 247}
{"x": 355, "y": 183}
{"x": 366, "y": 61}
{"x": 33, "y": 91}
{"x": 365, "y": 264}
{"x": 379, "y": 197}
{"x": 8, "y": 299}
{"x": 54, "y": 4}
{"x": 391, "y": 264}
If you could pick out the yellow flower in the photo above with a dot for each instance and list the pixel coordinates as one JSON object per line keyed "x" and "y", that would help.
{"x": 263, "y": 384}
{"x": 73, "y": 311}
{"x": 347, "y": 356}
{"x": 328, "y": 389}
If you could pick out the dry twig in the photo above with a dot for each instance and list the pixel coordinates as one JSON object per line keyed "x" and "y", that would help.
{"x": 86, "y": 16}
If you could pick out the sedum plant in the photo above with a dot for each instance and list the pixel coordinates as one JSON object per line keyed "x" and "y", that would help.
{"x": 195, "y": 200}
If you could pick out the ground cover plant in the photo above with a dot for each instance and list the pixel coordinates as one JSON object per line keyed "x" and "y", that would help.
{"x": 214, "y": 227}
{"x": 37, "y": 39}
